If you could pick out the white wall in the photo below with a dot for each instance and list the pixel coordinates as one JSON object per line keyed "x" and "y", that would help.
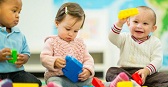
{"x": 36, "y": 22}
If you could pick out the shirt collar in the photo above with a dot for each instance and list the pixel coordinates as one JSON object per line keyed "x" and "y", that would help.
{"x": 13, "y": 29}
{"x": 139, "y": 41}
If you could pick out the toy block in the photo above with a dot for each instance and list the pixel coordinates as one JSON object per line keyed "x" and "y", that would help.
{"x": 25, "y": 85}
{"x": 72, "y": 69}
{"x": 13, "y": 56}
{"x": 6, "y": 83}
{"x": 97, "y": 83}
{"x": 88, "y": 86}
{"x": 125, "y": 84}
{"x": 127, "y": 13}
{"x": 137, "y": 78}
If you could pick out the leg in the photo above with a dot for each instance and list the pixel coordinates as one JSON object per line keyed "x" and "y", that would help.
{"x": 24, "y": 77}
{"x": 158, "y": 79}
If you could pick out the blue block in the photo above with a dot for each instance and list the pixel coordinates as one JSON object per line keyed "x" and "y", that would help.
{"x": 72, "y": 69}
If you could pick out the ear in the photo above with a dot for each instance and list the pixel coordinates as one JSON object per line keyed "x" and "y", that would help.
{"x": 56, "y": 23}
{"x": 154, "y": 28}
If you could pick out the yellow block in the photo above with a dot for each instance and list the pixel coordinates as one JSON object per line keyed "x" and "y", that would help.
{"x": 25, "y": 85}
{"x": 125, "y": 84}
{"x": 127, "y": 13}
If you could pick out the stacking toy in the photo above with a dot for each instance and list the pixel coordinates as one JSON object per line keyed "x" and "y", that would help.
{"x": 127, "y": 13}
{"x": 13, "y": 56}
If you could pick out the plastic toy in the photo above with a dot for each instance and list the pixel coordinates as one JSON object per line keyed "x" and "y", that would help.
{"x": 72, "y": 69}
{"x": 137, "y": 78}
{"x": 25, "y": 85}
{"x": 13, "y": 56}
{"x": 97, "y": 83}
{"x": 125, "y": 84}
{"x": 6, "y": 83}
{"x": 127, "y": 13}
{"x": 89, "y": 86}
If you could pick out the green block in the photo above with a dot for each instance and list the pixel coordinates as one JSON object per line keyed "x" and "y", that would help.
{"x": 13, "y": 56}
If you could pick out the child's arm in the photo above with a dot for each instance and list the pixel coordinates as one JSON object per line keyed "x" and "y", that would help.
{"x": 21, "y": 59}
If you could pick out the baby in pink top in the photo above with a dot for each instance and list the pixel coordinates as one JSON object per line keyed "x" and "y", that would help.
{"x": 69, "y": 20}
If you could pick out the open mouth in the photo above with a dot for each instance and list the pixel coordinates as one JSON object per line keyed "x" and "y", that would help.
{"x": 139, "y": 31}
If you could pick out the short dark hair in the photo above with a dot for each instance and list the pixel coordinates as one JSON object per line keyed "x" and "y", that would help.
{"x": 72, "y": 9}
{"x": 148, "y": 8}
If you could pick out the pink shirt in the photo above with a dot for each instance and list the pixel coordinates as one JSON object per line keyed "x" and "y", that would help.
{"x": 55, "y": 47}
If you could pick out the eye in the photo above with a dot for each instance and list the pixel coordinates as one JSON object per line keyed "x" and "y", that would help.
{"x": 145, "y": 23}
{"x": 68, "y": 29}
{"x": 75, "y": 31}
{"x": 135, "y": 21}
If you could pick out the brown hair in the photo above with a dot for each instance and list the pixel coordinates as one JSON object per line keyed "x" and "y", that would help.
{"x": 72, "y": 9}
{"x": 148, "y": 8}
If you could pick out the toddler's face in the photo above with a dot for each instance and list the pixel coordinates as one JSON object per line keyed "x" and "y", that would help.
{"x": 68, "y": 28}
{"x": 9, "y": 13}
{"x": 142, "y": 24}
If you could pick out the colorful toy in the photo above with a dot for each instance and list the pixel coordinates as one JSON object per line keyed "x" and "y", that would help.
{"x": 125, "y": 84}
{"x": 6, "y": 83}
{"x": 137, "y": 78}
{"x": 127, "y": 13}
{"x": 13, "y": 56}
{"x": 25, "y": 85}
{"x": 97, "y": 83}
{"x": 72, "y": 69}
{"x": 89, "y": 86}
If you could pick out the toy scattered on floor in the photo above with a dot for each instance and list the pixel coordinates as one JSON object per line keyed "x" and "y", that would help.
{"x": 13, "y": 56}
{"x": 6, "y": 83}
{"x": 137, "y": 78}
{"x": 72, "y": 69}
{"x": 51, "y": 84}
{"x": 89, "y": 86}
{"x": 127, "y": 13}
{"x": 25, "y": 85}
{"x": 97, "y": 83}
{"x": 125, "y": 84}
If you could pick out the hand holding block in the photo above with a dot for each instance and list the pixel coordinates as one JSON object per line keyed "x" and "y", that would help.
{"x": 14, "y": 56}
{"x": 137, "y": 78}
{"x": 127, "y": 13}
{"x": 72, "y": 69}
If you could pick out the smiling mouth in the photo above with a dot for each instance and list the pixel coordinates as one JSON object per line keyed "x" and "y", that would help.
{"x": 139, "y": 31}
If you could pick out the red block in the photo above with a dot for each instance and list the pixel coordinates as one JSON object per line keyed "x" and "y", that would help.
{"x": 97, "y": 83}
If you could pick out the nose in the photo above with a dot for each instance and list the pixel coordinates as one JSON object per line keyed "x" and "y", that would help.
{"x": 139, "y": 25}
{"x": 70, "y": 33}
{"x": 17, "y": 15}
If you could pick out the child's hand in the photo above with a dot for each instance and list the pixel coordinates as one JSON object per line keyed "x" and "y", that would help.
{"x": 143, "y": 73}
{"x": 84, "y": 75}
{"x": 4, "y": 53}
{"x": 60, "y": 63}
{"x": 121, "y": 22}
{"x": 21, "y": 59}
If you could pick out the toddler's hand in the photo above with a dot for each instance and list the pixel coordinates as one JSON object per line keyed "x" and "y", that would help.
{"x": 4, "y": 53}
{"x": 143, "y": 73}
{"x": 84, "y": 75}
{"x": 60, "y": 63}
{"x": 21, "y": 59}
{"x": 121, "y": 22}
